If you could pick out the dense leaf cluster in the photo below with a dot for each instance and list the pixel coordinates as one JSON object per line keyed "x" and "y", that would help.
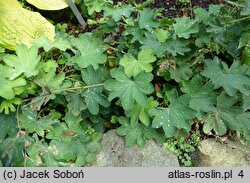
{"x": 145, "y": 74}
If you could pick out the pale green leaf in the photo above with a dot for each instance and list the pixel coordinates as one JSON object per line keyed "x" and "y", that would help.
{"x": 25, "y": 61}
{"x": 133, "y": 66}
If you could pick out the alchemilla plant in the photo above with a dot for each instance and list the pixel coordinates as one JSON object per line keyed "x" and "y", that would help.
{"x": 148, "y": 76}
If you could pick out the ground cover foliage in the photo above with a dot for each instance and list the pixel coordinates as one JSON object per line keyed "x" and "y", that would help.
{"x": 146, "y": 75}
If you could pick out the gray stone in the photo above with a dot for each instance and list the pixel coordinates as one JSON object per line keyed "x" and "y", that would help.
{"x": 116, "y": 154}
{"x": 228, "y": 154}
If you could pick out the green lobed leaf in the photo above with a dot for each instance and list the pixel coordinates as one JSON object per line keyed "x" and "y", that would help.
{"x": 246, "y": 102}
{"x": 232, "y": 79}
{"x": 135, "y": 133}
{"x": 119, "y": 12}
{"x": 8, "y": 126}
{"x": 76, "y": 103}
{"x": 7, "y": 86}
{"x": 133, "y": 66}
{"x": 129, "y": 91}
{"x": 90, "y": 51}
{"x": 139, "y": 112}
{"x": 184, "y": 27}
{"x": 147, "y": 20}
{"x": 47, "y": 77}
{"x": 32, "y": 123}
{"x": 59, "y": 43}
{"x": 93, "y": 96}
{"x": 177, "y": 115}
{"x": 182, "y": 72}
{"x": 202, "y": 97}
{"x": 96, "y": 5}
{"x": 25, "y": 61}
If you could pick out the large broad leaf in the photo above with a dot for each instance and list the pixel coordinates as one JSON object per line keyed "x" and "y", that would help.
{"x": 184, "y": 27}
{"x": 48, "y": 4}
{"x": 7, "y": 86}
{"x": 128, "y": 90}
{"x": 177, "y": 115}
{"x": 93, "y": 96}
{"x": 18, "y": 25}
{"x": 202, "y": 97}
{"x": 91, "y": 51}
{"x": 25, "y": 61}
{"x": 133, "y": 66}
{"x": 232, "y": 79}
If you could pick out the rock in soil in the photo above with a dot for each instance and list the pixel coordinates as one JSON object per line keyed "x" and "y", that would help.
{"x": 228, "y": 154}
{"x": 116, "y": 154}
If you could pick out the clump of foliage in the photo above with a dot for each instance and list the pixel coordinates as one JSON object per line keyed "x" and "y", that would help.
{"x": 183, "y": 148}
{"x": 153, "y": 76}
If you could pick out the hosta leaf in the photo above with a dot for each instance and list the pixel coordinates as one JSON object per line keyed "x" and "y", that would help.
{"x": 133, "y": 66}
{"x": 93, "y": 96}
{"x": 8, "y": 85}
{"x": 91, "y": 51}
{"x": 25, "y": 61}
{"x": 128, "y": 90}
{"x": 147, "y": 19}
{"x": 19, "y": 25}
{"x": 48, "y": 4}
{"x": 139, "y": 112}
{"x": 202, "y": 97}
{"x": 184, "y": 27}
{"x": 177, "y": 115}
{"x": 231, "y": 79}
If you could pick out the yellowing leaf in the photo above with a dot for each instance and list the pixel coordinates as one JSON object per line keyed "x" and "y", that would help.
{"x": 49, "y": 4}
{"x": 18, "y": 25}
